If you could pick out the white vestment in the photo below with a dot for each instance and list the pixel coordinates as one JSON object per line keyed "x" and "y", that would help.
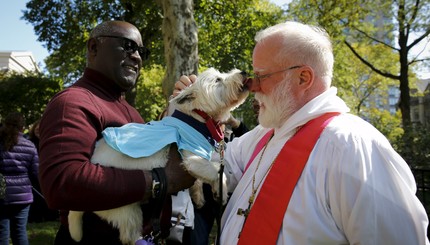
{"x": 354, "y": 189}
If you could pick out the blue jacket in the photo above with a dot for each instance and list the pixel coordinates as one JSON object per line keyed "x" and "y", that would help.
{"x": 20, "y": 167}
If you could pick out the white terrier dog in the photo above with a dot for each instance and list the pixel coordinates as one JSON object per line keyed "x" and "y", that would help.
{"x": 208, "y": 101}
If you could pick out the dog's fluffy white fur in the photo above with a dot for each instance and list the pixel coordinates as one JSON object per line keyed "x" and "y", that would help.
{"x": 214, "y": 93}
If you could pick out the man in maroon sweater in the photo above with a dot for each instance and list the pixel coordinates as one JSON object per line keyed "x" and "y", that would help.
{"x": 73, "y": 122}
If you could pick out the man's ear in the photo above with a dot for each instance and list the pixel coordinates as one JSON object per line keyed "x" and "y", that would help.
{"x": 306, "y": 77}
{"x": 92, "y": 46}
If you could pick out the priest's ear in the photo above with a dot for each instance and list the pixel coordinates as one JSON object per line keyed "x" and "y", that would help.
{"x": 306, "y": 77}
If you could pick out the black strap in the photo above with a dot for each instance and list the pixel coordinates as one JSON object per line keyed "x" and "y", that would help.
{"x": 159, "y": 198}
{"x": 221, "y": 207}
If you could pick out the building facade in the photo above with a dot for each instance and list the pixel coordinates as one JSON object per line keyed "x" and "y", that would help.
{"x": 18, "y": 61}
{"x": 420, "y": 103}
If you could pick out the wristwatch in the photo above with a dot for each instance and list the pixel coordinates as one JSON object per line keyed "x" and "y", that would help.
{"x": 156, "y": 186}
{"x": 159, "y": 183}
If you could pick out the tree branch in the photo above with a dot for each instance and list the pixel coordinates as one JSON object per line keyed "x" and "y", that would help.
{"x": 382, "y": 73}
{"x": 416, "y": 41}
{"x": 415, "y": 13}
{"x": 373, "y": 38}
{"x": 416, "y": 61}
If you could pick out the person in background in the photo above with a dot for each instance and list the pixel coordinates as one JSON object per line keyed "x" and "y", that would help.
{"x": 311, "y": 172}
{"x": 72, "y": 123}
{"x": 19, "y": 163}
{"x": 34, "y": 133}
{"x": 235, "y": 128}
{"x": 39, "y": 211}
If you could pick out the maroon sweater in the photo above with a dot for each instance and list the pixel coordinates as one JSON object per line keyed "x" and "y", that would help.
{"x": 71, "y": 125}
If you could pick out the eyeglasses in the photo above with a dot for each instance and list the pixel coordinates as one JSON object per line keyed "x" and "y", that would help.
{"x": 259, "y": 78}
{"x": 131, "y": 46}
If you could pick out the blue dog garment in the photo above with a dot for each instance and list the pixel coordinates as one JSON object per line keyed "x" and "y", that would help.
{"x": 142, "y": 140}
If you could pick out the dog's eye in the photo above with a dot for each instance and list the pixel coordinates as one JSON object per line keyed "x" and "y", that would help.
{"x": 218, "y": 80}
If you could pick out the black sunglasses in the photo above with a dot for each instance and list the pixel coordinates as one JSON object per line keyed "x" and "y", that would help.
{"x": 131, "y": 46}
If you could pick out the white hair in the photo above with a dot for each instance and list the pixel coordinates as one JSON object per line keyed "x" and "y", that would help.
{"x": 279, "y": 105}
{"x": 304, "y": 45}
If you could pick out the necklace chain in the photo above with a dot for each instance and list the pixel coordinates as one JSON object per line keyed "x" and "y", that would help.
{"x": 255, "y": 189}
{"x": 251, "y": 199}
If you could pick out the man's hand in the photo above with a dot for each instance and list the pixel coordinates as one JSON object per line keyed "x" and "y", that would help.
{"x": 178, "y": 178}
{"x": 183, "y": 82}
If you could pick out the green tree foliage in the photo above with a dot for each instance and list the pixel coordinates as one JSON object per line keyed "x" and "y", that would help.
{"x": 358, "y": 85}
{"x": 387, "y": 124}
{"x": 416, "y": 154}
{"x": 26, "y": 93}
{"x": 64, "y": 28}
{"x": 227, "y": 30}
{"x": 416, "y": 149}
{"x": 389, "y": 24}
{"x": 246, "y": 113}
{"x": 150, "y": 101}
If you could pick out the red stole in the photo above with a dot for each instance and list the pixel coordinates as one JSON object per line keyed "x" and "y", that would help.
{"x": 264, "y": 221}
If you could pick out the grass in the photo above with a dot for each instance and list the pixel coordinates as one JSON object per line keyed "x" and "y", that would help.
{"x": 42, "y": 233}
{"x": 213, "y": 234}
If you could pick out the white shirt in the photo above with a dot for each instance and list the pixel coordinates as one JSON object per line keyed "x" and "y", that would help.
{"x": 354, "y": 189}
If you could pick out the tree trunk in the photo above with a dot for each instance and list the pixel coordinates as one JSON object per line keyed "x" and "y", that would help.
{"x": 405, "y": 97}
{"x": 180, "y": 41}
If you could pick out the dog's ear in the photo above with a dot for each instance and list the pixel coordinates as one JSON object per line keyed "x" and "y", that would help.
{"x": 185, "y": 98}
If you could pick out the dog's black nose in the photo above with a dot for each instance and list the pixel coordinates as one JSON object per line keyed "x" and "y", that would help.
{"x": 247, "y": 82}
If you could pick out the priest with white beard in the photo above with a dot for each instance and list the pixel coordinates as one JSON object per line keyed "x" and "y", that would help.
{"x": 311, "y": 172}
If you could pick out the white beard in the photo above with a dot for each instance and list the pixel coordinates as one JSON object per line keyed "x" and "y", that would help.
{"x": 278, "y": 106}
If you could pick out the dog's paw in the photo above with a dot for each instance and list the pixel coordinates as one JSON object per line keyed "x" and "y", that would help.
{"x": 75, "y": 225}
{"x": 196, "y": 193}
{"x": 200, "y": 168}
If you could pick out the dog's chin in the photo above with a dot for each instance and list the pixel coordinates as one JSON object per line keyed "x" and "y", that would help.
{"x": 237, "y": 102}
